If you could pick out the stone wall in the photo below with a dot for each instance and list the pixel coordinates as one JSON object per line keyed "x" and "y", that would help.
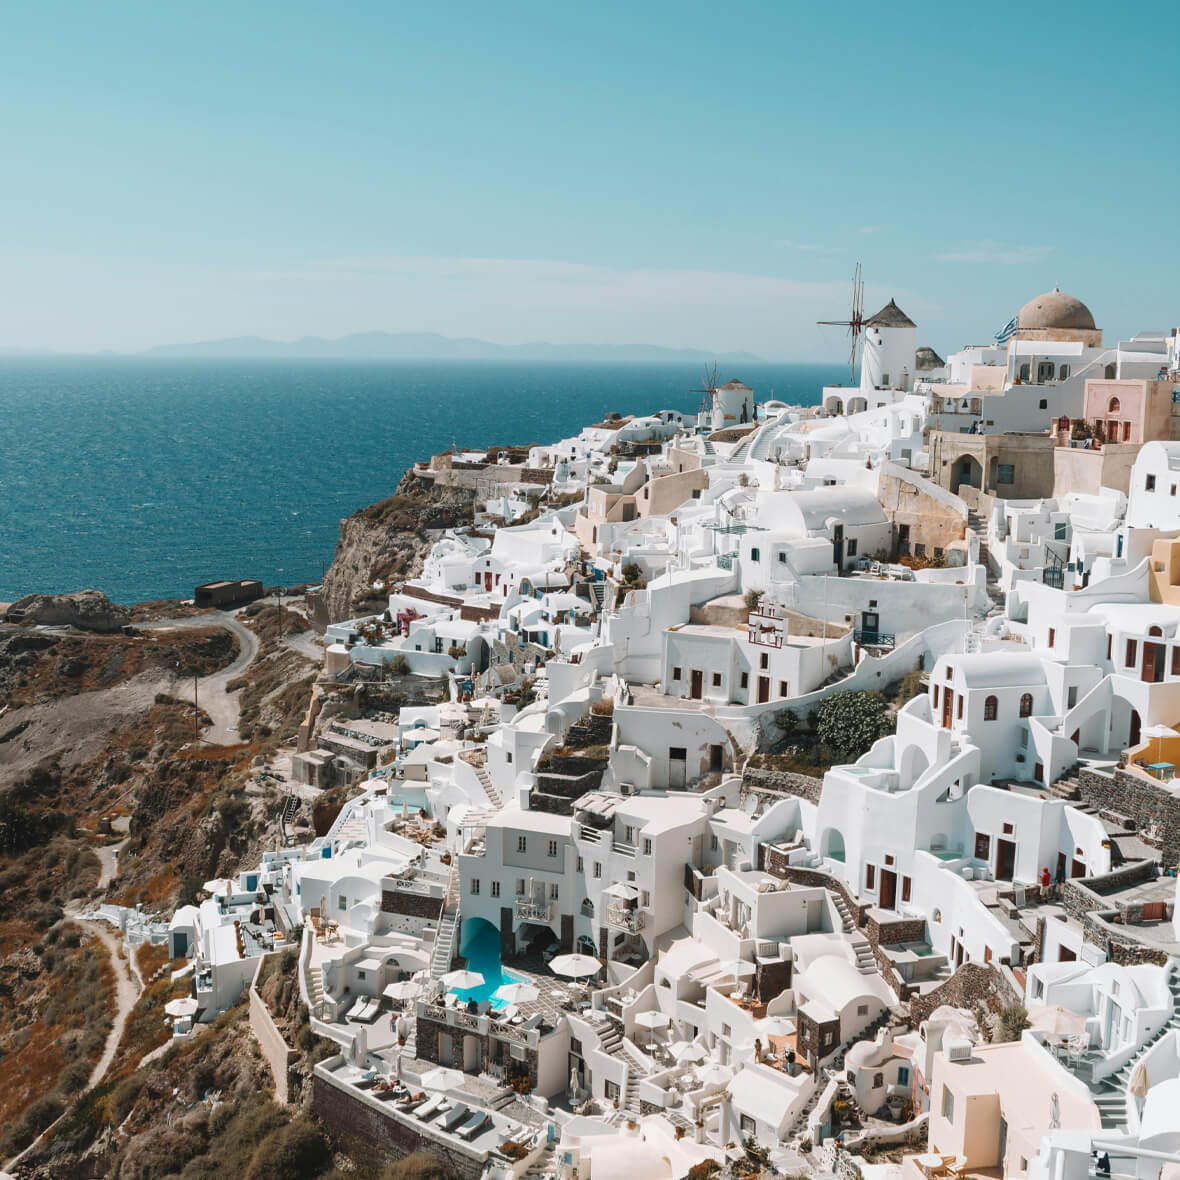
{"x": 351, "y": 1117}
{"x": 275, "y": 1050}
{"x": 414, "y": 905}
{"x": 971, "y": 985}
{"x": 1150, "y": 806}
{"x": 757, "y": 781}
{"x": 771, "y": 979}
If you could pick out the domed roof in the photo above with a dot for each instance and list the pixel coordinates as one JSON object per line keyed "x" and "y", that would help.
{"x": 1055, "y": 309}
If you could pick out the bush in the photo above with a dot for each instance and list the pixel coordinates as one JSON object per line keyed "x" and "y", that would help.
{"x": 1013, "y": 1021}
{"x": 399, "y": 666}
{"x": 290, "y": 1153}
{"x": 604, "y": 707}
{"x": 850, "y": 722}
{"x": 787, "y": 721}
{"x": 753, "y": 598}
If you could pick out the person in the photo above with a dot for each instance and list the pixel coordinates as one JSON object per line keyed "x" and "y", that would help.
{"x": 1046, "y": 881}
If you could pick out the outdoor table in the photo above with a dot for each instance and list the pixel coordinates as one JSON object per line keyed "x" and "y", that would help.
{"x": 1161, "y": 770}
{"x": 930, "y": 1163}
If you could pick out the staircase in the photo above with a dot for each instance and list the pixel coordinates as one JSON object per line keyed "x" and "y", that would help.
{"x": 485, "y": 781}
{"x": 440, "y": 958}
{"x": 611, "y": 1041}
{"x": 289, "y": 810}
{"x": 315, "y": 990}
{"x": 1110, "y": 1095}
{"x": 631, "y": 1096}
{"x": 865, "y": 963}
{"x": 844, "y": 912}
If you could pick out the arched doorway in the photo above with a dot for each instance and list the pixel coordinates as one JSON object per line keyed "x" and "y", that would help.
{"x": 967, "y": 472}
{"x": 832, "y": 845}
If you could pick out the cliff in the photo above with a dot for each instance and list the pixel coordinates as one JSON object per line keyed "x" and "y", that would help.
{"x": 388, "y": 541}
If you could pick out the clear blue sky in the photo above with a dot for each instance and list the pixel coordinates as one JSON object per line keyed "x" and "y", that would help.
{"x": 680, "y": 174}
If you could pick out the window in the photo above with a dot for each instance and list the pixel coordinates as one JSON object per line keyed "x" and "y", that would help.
{"x": 862, "y": 1009}
{"x": 495, "y": 888}
{"x": 935, "y": 695}
{"x": 713, "y": 845}
{"x": 903, "y": 1075}
{"x": 1109, "y": 641}
{"x": 1052, "y": 636}
{"x": 1025, "y": 372}
{"x": 851, "y": 549}
{"x": 644, "y": 897}
{"x": 755, "y": 554}
{"x": 716, "y": 679}
{"x": 878, "y": 1080}
{"x": 1005, "y": 473}
{"x": 520, "y": 887}
{"x": 782, "y": 557}
{"x": 783, "y": 688}
{"x": 1126, "y": 432}
{"x": 1026, "y": 702}
{"x": 745, "y": 680}
{"x": 948, "y": 1105}
{"x": 581, "y": 865}
{"x": 552, "y": 848}
{"x": 508, "y": 757}
{"x": 983, "y": 846}
{"x": 342, "y": 902}
{"x": 360, "y": 975}
{"x": 1113, "y": 406}
{"x": 1044, "y": 404}
{"x": 726, "y": 1031}
{"x": 920, "y": 549}
{"x": 1132, "y": 651}
{"x": 749, "y": 1127}
{"x": 1149, "y": 484}
{"x": 676, "y": 673}
{"x": 960, "y": 707}
{"x": 628, "y": 833}
{"x": 553, "y": 891}
{"x": 597, "y": 869}
{"x": 991, "y": 708}
{"x": 646, "y": 846}
{"x": 905, "y": 889}
{"x": 522, "y": 843}
{"x": 474, "y": 886}
{"x": 764, "y": 661}
{"x": 870, "y": 876}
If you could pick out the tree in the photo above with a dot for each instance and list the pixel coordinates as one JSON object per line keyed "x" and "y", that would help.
{"x": 851, "y": 722}
{"x": 787, "y": 721}
{"x": 753, "y": 598}
{"x": 1013, "y": 1021}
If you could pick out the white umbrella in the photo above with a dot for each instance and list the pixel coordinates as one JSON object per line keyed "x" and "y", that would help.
{"x": 653, "y": 1020}
{"x": 687, "y": 1051}
{"x": 218, "y": 887}
{"x": 461, "y": 980}
{"x": 405, "y": 989}
{"x": 574, "y": 966}
{"x": 776, "y": 1026}
{"x": 714, "y": 1075}
{"x": 184, "y": 1006}
{"x": 622, "y": 890}
{"x": 517, "y": 993}
{"x": 738, "y": 967}
{"x": 1054, "y": 1018}
{"x": 442, "y": 1079}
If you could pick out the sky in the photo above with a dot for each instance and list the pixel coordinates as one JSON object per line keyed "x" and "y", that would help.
{"x": 684, "y": 174}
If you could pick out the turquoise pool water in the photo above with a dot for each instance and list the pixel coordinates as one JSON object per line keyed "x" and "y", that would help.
{"x": 483, "y": 955}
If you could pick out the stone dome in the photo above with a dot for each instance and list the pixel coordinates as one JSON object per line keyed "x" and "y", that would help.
{"x": 1055, "y": 309}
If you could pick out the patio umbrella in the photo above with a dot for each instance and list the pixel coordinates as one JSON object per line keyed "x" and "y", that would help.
{"x": 1158, "y": 733}
{"x": 623, "y": 890}
{"x": 461, "y": 980}
{"x": 1054, "y": 1018}
{"x": 738, "y": 967}
{"x": 687, "y": 1051}
{"x": 184, "y": 1006}
{"x": 574, "y": 966}
{"x": 776, "y": 1026}
{"x": 653, "y": 1020}
{"x": 442, "y": 1079}
{"x": 405, "y": 989}
{"x": 517, "y": 993}
{"x": 714, "y": 1075}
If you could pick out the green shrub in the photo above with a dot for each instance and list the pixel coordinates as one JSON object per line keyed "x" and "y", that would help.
{"x": 399, "y": 666}
{"x": 850, "y": 722}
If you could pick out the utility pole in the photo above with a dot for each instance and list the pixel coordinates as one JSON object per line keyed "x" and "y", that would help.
{"x": 196, "y": 713}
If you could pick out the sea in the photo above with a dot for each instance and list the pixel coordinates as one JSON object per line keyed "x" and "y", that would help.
{"x": 144, "y": 477}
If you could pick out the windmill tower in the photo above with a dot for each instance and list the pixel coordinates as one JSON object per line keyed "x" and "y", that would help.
{"x": 731, "y": 404}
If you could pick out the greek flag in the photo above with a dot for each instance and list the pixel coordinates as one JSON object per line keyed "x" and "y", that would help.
{"x": 1007, "y": 331}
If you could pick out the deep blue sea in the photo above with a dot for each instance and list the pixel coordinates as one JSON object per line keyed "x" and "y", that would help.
{"x": 145, "y": 477}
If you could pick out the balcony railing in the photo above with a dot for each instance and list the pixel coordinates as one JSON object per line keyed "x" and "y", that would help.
{"x": 624, "y": 919}
{"x": 528, "y": 910}
{"x": 874, "y": 638}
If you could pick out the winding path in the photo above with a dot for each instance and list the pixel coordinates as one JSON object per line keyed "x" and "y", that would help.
{"x": 212, "y": 696}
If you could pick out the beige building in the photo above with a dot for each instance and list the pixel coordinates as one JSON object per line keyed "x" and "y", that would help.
{"x": 1077, "y": 469}
{"x": 992, "y": 1105}
{"x": 1007, "y": 466}
{"x": 928, "y": 521}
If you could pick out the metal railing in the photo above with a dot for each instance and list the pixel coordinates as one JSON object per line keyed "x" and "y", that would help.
{"x": 874, "y": 638}
{"x": 529, "y": 910}
{"x": 624, "y": 919}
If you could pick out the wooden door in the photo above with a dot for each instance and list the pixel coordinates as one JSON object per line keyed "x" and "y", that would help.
{"x": 763, "y": 689}
{"x": 948, "y": 708}
{"x": 1005, "y": 860}
{"x": 1152, "y": 667}
{"x": 698, "y": 684}
{"x": 888, "y": 889}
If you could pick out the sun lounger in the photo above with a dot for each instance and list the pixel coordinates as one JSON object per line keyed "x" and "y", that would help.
{"x": 473, "y": 1125}
{"x": 429, "y": 1108}
{"x": 354, "y": 1012}
{"x": 455, "y": 1117}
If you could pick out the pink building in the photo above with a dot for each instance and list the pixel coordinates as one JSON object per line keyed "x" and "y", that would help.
{"x": 1132, "y": 411}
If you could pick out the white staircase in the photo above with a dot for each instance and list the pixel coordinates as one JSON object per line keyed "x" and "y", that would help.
{"x": 865, "y": 963}
{"x": 485, "y": 781}
{"x": 440, "y": 958}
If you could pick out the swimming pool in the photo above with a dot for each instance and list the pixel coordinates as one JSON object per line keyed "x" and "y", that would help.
{"x": 483, "y": 955}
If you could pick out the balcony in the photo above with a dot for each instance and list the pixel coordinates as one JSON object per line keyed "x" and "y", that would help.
{"x": 529, "y": 910}
{"x": 623, "y": 918}
{"x": 874, "y": 638}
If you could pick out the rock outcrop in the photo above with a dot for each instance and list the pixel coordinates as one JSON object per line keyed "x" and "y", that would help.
{"x": 388, "y": 541}
{"x": 88, "y": 610}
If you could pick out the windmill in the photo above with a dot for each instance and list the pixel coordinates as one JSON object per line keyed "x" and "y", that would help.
{"x": 708, "y": 389}
{"x": 855, "y": 322}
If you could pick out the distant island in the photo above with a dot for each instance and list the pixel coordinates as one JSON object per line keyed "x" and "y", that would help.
{"x": 432, "y": 346}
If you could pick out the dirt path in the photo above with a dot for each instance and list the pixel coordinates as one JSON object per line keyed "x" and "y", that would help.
{"x": 126, "y": 993}
{"x": 212, "y": 696}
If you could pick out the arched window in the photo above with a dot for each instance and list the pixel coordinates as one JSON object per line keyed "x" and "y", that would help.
{"x": 1063, "y": 372}
{"x": 1114, "y": 406}
{"x": 1109, "y": 372}
{"x": 1155, "y": 631}
{"x": 990, "y": 708}
{"x": 1026, "y": 705}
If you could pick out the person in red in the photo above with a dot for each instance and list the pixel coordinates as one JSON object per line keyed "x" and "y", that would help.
{"x": 1046, "y": 882}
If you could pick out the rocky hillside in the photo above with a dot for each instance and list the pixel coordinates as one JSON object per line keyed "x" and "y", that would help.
{"x": 388, "y": 541}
